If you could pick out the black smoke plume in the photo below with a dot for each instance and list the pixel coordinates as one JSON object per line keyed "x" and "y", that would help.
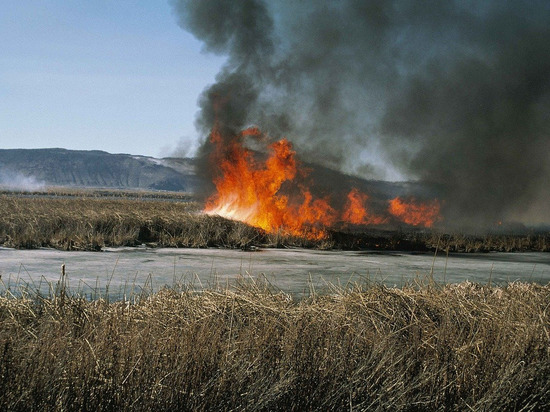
{"x": 455, "y": 94}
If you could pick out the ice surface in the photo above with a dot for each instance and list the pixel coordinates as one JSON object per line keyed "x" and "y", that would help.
{"x": 294, "y": 271}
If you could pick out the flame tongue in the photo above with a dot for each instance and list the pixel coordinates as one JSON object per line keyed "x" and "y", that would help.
{"x": 356, "y": 211}
{"x": 251, "y": 191}
{"x": 416, "y": 214}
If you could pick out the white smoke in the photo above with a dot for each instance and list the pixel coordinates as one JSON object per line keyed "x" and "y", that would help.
{"x": 10, "y": 180}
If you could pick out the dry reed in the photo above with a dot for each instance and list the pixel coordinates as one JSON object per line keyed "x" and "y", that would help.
{"x": 91, "y": 220}
{"x": 91, "y": 223}
{"x": 454, "y": 348}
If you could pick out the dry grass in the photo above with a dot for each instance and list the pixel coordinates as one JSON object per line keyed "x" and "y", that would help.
{"x": 458, "y": 347}
{"x": 431, "y": 240}
{"x": 90, "y": 220}
{"x": 90, "y": 223}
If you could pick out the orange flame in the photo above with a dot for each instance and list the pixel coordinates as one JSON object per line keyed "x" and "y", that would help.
{"x": 252, "y": 192}
{"x": 413, "y": 213}
{"x": 356, "y": 211}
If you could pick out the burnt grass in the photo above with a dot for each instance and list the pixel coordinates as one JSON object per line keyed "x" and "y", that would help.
{"x": 91, "y": 220}
{"x": 421, "y": 347}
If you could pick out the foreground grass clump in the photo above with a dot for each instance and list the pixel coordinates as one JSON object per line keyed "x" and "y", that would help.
{"x": 458, "y": 347}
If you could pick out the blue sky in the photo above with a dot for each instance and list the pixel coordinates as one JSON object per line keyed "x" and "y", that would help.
{"x": 119, "y": 76}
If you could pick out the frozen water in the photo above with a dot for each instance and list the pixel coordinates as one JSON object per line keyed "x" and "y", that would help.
{"x": 291, "y": 270}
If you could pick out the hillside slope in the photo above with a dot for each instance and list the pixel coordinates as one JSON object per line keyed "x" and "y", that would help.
{"x": 28, "y": 168}
{"x": 32, "y": 169}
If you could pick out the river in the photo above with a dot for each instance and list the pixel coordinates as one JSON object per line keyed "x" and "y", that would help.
{"x": 125, "y": 272}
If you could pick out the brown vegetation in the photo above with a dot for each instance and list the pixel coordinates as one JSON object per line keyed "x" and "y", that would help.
{"x": 90, "y": 223}
{"x": 90, "y": 220}
{"x": 457, "y": 347}
{"x": 432, "y": 240}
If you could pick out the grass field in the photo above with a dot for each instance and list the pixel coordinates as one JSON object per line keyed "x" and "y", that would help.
{"x": 90, "y": 220}
{"x": 454, "y": 348}
{"x": 90, "y": 223}
{"x": 248, "y": 347}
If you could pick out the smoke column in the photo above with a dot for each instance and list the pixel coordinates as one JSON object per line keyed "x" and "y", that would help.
{"x": 455, "y": 95}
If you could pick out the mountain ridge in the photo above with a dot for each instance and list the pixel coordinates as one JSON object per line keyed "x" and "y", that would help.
{"x": 34, "y": 169}
{"x": 94, "y": 168}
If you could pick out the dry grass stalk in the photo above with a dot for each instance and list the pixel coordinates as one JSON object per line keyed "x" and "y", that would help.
{"x": 89, "y": 221}
{"x": 458, "y": 347}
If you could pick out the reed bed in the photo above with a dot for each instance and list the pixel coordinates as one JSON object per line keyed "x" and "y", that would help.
{"x": 91, "y": 223}
{"x": 420, "y": 347}
{"x": 92, "y": 220}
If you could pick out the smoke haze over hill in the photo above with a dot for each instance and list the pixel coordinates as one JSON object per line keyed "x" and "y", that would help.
{"x": 13, "y": 180}
{"x": 34, "y": 169}
{"x": 453, "y": 94}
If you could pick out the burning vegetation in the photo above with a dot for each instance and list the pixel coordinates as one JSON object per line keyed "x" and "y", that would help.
{"x": 445, "y": 94}
{"x": 274, "y": 194}
{"x": 92, "y": 220}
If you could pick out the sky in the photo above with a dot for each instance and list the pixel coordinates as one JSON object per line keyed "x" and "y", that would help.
{"x": 119, "y": 76}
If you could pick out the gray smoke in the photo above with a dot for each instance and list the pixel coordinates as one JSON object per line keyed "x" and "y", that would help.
{"x": 454, "y": 94}
{"x": 11, "y": 180}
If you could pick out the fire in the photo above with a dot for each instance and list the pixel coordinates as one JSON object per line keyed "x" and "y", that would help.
{"x": 251, "y": 192}
{"x": 257, "y": 192}
{"x": 413, "y": 213}
{"x": 356, "y": 210}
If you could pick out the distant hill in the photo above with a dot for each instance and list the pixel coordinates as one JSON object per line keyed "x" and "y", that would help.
{"x": 35, "y": 168}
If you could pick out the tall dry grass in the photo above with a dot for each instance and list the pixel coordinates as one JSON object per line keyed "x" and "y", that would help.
{"x": 90, "y": 220}
{"x": 90, "y": 223}
{"x": 454, "y": 348}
